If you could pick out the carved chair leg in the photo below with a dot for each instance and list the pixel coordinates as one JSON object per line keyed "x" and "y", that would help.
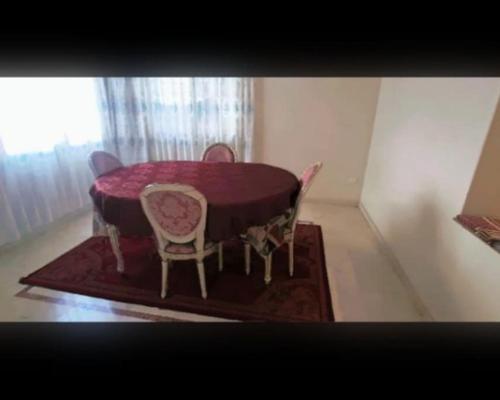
{"x": 201, "y": 275}
{"x": 164, "y": 277}
{"x": 268, "y": 260}
{"x": 115, "y": 245}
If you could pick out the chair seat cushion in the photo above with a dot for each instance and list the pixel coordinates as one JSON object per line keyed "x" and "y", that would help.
{"x": 185, "y": 248}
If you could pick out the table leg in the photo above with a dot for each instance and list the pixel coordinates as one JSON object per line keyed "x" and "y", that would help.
{"x": 115, "y": 245}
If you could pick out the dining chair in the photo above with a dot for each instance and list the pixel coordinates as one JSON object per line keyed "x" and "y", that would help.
{"x": 101, "y": 162}
{"x": 219, "y": 152}
{"x": 279, "y": 230}
{"x": 178, "y": 216}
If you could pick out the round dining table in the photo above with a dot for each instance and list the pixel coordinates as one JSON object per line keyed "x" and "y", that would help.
{"x": 239, "y": 195}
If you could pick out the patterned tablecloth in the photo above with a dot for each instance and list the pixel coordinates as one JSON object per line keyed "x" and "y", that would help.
{"x": 239, "y": 195}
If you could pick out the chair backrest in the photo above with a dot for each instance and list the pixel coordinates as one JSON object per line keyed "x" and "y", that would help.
{"x": 305, "y": 180}
{"x": 219, "y": 152}
{"x": 176, "y": 212}
{"x": 101, "y": 162}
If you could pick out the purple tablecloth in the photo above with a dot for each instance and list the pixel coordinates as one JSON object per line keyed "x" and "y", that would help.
{"x": 239, "y": 195}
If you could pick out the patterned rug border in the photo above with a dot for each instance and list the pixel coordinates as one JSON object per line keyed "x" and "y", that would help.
{"x": 216, "y": 314}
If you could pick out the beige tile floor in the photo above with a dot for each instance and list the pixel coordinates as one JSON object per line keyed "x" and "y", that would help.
{"x": 363, "y": 282}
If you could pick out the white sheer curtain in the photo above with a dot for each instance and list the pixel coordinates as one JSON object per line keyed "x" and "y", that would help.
{"x": 175, "y": 118}
{"x": 48, "y": 126}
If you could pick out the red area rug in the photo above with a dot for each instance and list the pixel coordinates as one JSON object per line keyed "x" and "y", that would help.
{"x": 89, "y": 269}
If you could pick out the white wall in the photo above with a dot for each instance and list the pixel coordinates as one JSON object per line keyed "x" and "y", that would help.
{"x": 483, "y": 197}
{"x": 427, "y": 139}
{"x": 303, "y": 120}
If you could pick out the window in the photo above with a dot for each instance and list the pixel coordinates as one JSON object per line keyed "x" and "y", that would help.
{"x": 37, "y": 114}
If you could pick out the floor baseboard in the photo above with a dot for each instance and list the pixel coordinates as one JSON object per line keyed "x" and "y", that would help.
{"x": 396, "y": 265}
{"x": 342, "y": 203}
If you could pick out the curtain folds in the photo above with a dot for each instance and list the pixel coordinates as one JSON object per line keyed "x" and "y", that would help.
{"x": 175, "y": 118}
{"x": 49, "y": 126}
{"x": 39, "y": 188}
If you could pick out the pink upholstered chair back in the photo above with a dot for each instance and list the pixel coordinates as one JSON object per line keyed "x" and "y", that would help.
{"x": 219, "y": 152}
{"x": 176, "y": 212}
{"x": 305, "y": 180}
{"x": 308, "y": 175}
{"x": 101, "y": 162}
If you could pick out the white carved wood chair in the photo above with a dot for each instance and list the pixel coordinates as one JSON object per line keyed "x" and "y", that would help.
{"x": 178, "y": 216}
{"x": 280, "y": 230}
{"x": 101, "y": 162}
{"x": 219, "y": 152}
